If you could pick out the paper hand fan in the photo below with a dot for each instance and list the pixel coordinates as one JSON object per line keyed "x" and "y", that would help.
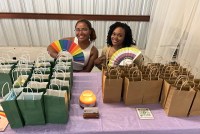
{"x": 3, "y": 121}
{"x": 71, "y": 47}
{"x": 124, "y": 56}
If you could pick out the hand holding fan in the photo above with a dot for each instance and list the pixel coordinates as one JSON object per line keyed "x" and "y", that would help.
{"x": 69, "y": 46}
{"x": 124, "y": 56}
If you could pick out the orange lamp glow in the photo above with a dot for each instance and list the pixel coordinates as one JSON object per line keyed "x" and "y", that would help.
{"x": 87, "y": 99}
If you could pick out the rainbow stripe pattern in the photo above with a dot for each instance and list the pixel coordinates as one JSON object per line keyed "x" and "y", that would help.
{"x": 71, "y": 47}
{"x": 122, "y": 55}
{"x": 2, "y": 114}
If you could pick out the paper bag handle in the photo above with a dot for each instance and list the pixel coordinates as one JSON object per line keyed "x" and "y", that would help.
{"x": 62, "y": 72}
{"x": 3, "y": 88}
{"x": 56, "y": 67}
{"x": 117, "y": 72}
{"x": 27, "y": 92}
{"x": 40, "y": 72}
{"x": 20, "y": 62}
{"x": 183, "y": 84}
{"x": 180, "y": 77}
{"x": 187, "y": 65}
{"x": 151, "y": 70}
{"x": 25, "y": 57}
{"x": 195, "y": 75}
{"x": 40, "y": 58}
{"x": 34, "y": 83}
{"x": 132, "y": 69}
{"x": 50, "y": 85}
{"x": 138, "y": 72}
{"x": 173, "y": 73}
{"x": 41, "y": 79}
{"x": 59, "y": 57}
{"x": 20, "y": 70}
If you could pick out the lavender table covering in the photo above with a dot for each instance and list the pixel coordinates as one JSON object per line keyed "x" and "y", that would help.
{"x": 114, "y": 118}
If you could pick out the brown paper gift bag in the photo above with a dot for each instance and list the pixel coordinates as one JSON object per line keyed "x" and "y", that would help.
{"x": 152, "y": 87}
{"x": 167, "y": 85}
{"x": 152, "y": 91}
{"x": 133, "y": 89}
{"x": 142, "y": 91}
{"x": 165, "y": 90}
{"x": 111, "y": 86}
{"x": 127, "y": 71}
{"x": 172, "y": 74}
{"x": 194, "y": 79}
{"x": 195, "y": 108}
{"x": 106, "y": 69}
{"x": 179, "y": 100}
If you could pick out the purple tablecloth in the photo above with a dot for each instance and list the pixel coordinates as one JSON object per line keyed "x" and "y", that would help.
{"x": 114, "y": 118}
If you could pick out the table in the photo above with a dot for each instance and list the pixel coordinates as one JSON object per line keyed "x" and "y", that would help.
{"x": 114, "y": 118}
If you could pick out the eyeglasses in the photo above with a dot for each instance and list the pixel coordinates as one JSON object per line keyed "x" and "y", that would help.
{"x": 81, "y": 29}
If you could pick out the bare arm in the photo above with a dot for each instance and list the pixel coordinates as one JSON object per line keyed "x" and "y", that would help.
{"x": 101, "y": 60}
{"x": 93, "y": 56}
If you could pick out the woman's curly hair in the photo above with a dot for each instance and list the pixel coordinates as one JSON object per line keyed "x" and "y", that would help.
{"x": 128, "y": 39}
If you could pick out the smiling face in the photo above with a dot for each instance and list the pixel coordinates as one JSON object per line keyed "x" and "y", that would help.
{"x": 82, "y": 32}
{"x": 118, "y": 36}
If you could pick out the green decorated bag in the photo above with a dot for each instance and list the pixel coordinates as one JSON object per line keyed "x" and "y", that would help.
{"x": 11, "y": 108}
{"x": 32, "y": 107}
{"x": 56, "y": 106}
{"x": 5, "y": 76}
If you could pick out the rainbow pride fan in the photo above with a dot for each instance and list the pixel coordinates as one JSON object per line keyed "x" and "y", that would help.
{"x": 71, "y": 47}
{"x": 124, "y": 56}
{"x": 3, "y": 121}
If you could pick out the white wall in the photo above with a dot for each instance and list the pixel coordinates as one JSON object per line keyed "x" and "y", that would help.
{"x": 40, "y": 33}
{"x": 34, "y": 52}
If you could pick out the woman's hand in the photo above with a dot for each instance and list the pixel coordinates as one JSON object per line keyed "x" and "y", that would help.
{"x": 52, "y": 52}
{"x": 100, "y": 61}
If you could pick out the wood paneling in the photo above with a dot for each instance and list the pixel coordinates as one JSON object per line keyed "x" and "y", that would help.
{"x": 74, "y": 17}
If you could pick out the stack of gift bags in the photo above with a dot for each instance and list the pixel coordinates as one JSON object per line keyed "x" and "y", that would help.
{"x": 36, "y": 93}
{"x": 131, "y": 84}
{"x": 171, "y": 85}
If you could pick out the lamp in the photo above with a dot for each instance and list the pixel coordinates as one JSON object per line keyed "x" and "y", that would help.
{"x": 87, "y": 99}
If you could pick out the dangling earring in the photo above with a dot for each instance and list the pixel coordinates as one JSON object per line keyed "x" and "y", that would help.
{"x": 89, "y": 37}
